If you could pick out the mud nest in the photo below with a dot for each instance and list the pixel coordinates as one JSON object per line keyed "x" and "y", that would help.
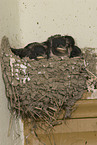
{"x": 39, "y": 90}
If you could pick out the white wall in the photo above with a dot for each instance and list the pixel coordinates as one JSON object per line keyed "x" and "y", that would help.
{"x": 10, "y": 21}
{"x": 73, "y": 17}
{"x": 26, "y": 21}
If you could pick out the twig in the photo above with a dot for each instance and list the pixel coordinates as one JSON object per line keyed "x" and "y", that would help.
{"x": 53, "y": 109}
{"x": 18, "y": 108}
{"x": 88, "y": 70}
{"x": 10, "y": 124}
{"x": 49, "y": 138}
{"x": 30, "y": 113}
{"x": 46, "y": 112}
{"x": 18, "y": 100}
{"x": 47, "y": 121}
{"x": 38, "y": 137}
{"x": 38, "y": 108}
{"x": 41, "y": 98}
{"x": 49, "y": 115}
{"x": 53, "y": 138}
{"x": 36, "y": 114}
{"x": 42, "y": 128}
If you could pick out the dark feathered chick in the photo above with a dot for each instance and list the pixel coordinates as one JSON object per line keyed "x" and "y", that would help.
{"x": 32, "y": 50}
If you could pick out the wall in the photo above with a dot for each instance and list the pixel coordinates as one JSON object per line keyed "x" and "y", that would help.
{"x": 27, "y": 21}
{"x": 40, "y": 19}
{"x": 9, "y": 21}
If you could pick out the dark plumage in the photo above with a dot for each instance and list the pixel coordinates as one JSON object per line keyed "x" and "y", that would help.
{"x": 32, "y": 50}
{"x": 76, "y": 51}
{"x": 73, "y": 51}
{"x": 70, "y": 42}
{"x": 54, "y": 42}
{"x": 49, "y": 47}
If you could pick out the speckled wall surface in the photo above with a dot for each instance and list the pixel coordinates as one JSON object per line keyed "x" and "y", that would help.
{"x": 34, "y": 20}
{"x": 9, "y": 21}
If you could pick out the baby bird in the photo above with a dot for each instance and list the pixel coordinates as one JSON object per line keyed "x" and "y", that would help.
{"x": 32, "y": 50}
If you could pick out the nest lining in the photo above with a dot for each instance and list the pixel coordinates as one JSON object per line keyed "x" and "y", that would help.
{"x": 39, "y": 90}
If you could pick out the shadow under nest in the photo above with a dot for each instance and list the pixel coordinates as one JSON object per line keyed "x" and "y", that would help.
{"x": 40, "y": 90}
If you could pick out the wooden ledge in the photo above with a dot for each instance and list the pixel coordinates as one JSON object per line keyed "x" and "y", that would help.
{"x": 85, "y": 109}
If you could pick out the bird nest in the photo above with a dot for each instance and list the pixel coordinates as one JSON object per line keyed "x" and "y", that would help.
{"x": 40, "y": 90}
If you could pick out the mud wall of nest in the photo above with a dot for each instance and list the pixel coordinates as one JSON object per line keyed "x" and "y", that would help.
{"x": 39, "y": 90}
